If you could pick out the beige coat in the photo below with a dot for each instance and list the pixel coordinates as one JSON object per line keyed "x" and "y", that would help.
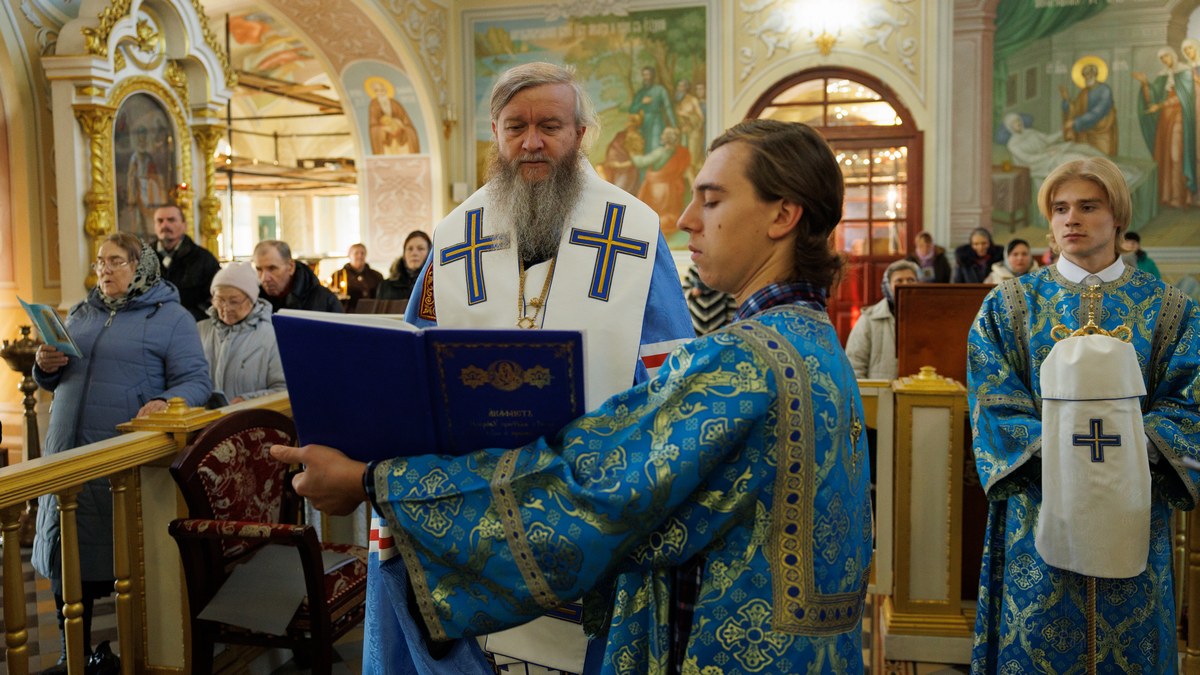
{"x": 872, "y": 343}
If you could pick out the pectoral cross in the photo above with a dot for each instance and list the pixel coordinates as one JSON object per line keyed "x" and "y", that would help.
{"x": 1091, "y": 296}
{"x": 1097, "y": 440}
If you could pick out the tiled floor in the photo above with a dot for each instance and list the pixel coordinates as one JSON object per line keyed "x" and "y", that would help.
{"x": 44, "y": 639}
{"x": 45, "y": 645}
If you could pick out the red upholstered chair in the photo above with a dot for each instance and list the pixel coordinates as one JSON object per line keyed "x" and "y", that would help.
{"x": 240, "y": 499}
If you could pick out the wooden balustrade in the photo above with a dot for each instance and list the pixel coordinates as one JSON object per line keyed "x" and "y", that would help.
{"x": 151, "y": 444}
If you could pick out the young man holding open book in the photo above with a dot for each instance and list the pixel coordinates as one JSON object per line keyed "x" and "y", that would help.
{"x": 716, "y": 518}
{"x": 544, "y": 244}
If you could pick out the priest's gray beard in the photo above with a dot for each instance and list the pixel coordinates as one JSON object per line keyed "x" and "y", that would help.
{"x": 536, "y": 210}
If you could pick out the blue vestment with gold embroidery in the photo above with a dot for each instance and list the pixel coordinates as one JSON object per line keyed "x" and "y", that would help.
{"x": 745, "y": 450}
{"x": 1034, "y": 618}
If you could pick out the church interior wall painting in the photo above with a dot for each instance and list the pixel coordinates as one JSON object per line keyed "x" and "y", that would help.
{"x": 386, "y": 110}
{"x": 261, "y": 45}
{"x": 646, "y": 71}
{"x": 1064, "y": 89}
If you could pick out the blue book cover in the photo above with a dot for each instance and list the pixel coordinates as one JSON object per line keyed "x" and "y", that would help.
{"x": 50, "y": 327}
{"x": 375, "y": 387}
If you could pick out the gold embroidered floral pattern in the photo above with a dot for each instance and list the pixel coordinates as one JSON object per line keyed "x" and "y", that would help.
{"x": 749, "y": 638}
{"x": 436, "y": 516}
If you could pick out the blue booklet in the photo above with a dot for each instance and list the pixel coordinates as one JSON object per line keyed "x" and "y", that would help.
{"x": 50, "y": 327}
{"x": 377, "y": 387}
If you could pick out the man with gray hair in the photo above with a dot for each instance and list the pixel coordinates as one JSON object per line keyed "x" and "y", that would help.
{"x": 495, "y": 263}
{"x": 287, "y": 285}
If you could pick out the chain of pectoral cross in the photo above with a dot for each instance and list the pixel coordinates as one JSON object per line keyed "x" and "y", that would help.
{"x": 1091, "y": 303}
{"x": 1092, "y": 297}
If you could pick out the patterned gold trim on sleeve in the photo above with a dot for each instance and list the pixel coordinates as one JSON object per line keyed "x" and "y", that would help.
{"x": 1012, "y": 294}
{"x": 509, "y": 510}
{"x": 408, "y": 553}
{"x": 1166, "y": 327}
{"x": 800, "y": 608}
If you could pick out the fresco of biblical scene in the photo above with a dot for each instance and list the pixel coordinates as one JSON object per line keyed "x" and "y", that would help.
{"x": 385, "y": 109}
{"x": 272, "y": 58}
{"x": 645, "y": 72}
{"x": 144, "y": 154}
{"x": 1064, "y": 90}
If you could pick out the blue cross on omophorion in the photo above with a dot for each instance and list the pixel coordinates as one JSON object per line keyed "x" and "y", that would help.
{"x": 609, "y": 244}
{"x": 1097, "y": 440}
{"x": 471, "y": 250}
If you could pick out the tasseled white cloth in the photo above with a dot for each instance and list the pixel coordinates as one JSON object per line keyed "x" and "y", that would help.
{"x": 1095, "y": 515}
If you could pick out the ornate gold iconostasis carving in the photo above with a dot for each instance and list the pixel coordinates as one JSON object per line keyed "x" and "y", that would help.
{"x": 147, "y": 80}
{"x": 98, "y": 123}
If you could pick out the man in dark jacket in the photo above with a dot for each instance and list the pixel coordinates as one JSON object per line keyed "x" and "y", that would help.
{"x": 287, "y": 285}
{"x": 189, "y": 267}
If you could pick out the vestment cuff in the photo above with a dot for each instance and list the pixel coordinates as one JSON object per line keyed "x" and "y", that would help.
{"x": 368, "y": 479}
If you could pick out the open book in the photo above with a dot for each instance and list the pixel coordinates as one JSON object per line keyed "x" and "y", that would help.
{"x": 377, "y": 387}
{"x": 50, "y": 326}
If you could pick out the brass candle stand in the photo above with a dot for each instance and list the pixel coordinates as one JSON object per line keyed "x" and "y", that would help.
{"x": 20, "y": 355}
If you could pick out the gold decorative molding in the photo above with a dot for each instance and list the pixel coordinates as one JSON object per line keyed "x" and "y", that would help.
{"x": 95, "y": 40}
{"x": 100, "y": 215}
{"x": 943, "y": 613}
{"x": 89, "y": 91}
{"x": 147, "y": 46}
{"x": 211, "y": 40}
{"x": 927, "y": 381}
{"x": 207, "y": 136}
{"x": 177, "y": 78}
{"x": 119, "y": 61}
{"x": 179, "y": 417}
{"x": 960, "y": 625}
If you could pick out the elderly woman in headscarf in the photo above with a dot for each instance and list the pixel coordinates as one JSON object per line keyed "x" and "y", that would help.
{"x": 1018, "y": 260}
{"x": 238, "y": 338}
{"x": 974, "y": 260}
{"x": 871, "y": 346}
{"x": 139, "y": 348}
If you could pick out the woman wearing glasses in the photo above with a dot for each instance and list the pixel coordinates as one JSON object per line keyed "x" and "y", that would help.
{"x": 238, "y": 339}
{"x": 140, "y": 347}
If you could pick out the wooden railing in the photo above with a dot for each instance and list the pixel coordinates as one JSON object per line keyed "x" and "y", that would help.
{"x": 143, "y": 499}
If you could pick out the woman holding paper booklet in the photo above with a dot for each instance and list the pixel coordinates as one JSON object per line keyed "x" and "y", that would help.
{"x": 140, "y": 347}
{"x": 238, "y": 338}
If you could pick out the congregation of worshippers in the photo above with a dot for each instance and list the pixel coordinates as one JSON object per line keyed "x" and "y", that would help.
{"x": 885, "y": 366}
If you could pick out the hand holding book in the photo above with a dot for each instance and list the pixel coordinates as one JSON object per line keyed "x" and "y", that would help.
{"x": 49, "y": 359}
{"x": 331, "y": 481}
{"x": 51, "y": 328}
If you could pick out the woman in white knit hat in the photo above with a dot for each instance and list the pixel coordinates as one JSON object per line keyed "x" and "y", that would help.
{"x": 238, "y": 339}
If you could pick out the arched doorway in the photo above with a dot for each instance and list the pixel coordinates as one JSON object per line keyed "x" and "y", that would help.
{"x": 879, "y": 149}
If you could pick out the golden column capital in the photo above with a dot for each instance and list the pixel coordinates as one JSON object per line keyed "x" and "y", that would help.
{"x": 100, "y": 216}
{"x": 207, "y": 136}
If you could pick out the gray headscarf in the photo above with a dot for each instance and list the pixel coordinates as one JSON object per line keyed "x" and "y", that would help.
{"x": 887, "y": 277}
{"x": 147, "y": 274}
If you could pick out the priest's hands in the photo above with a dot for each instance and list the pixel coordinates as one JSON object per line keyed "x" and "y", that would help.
{"x": 331, "y": 481}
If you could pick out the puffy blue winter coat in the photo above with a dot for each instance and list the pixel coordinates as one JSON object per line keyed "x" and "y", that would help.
{"x": 148, "y": 349}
